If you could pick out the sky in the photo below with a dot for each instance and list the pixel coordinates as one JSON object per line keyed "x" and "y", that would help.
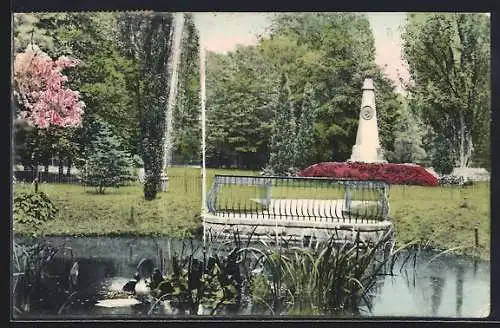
{"x": 221, "y": 32}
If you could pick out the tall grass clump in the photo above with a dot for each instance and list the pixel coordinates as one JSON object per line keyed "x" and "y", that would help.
{"x": 333, "y": 278}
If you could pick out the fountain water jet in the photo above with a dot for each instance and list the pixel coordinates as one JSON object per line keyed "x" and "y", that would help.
{"x": 173, "y": 68}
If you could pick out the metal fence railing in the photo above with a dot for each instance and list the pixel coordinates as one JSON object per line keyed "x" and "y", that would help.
{"x": 47, "y": 177}
{"x": 178, "y": 182}
{"x": 298, "y": 198}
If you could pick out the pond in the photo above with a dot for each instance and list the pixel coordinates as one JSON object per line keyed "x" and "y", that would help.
{"x": 427, "y": 286}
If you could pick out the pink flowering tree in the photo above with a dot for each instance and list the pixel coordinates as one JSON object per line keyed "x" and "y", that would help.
{"x": 42, "y": 98}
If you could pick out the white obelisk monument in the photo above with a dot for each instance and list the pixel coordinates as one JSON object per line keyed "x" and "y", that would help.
{"x": 367, "y": 148}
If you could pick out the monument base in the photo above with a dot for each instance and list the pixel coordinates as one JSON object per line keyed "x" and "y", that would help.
{"x": 164, "y": 183}
{"x": 367, "y": 155}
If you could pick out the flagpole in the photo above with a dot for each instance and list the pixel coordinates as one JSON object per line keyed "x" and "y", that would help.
{"x": 203, "y": 135}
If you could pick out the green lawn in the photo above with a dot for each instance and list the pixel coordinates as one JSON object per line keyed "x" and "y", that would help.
{"x": 123, "y": 210}
{"x": 444, "y": 216}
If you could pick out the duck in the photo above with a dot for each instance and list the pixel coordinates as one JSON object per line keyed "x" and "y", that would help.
{"x": 129, "y": 287}
{"x": 145, "y": 274}
{"x": 142, "y": 288}
{"x": 137, "y": 286}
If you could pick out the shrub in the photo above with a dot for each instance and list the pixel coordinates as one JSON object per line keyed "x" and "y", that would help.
{"x": 454, "y": 180}
{"x": 408, "y": 174}
{"x": 214, "y": 282}
{"x": 268, "y": 171}
{"x": 33, "y": 208}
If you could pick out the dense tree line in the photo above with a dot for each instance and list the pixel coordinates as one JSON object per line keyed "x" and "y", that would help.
{"x": 332, "y": 53}
{"x": 300, "y": 85}
{"x": 442, "y": 120}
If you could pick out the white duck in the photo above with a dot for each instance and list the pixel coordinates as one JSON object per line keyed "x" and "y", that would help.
{"x": 141, "y": 288}
{"x": 143, "y": 276}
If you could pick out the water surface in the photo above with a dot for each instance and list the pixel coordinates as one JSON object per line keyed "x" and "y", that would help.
{"x": 446, "y": 286}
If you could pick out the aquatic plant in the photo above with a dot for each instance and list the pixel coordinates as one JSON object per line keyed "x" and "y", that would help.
{"x": 331, "y": 278}
{"x": 29, "y": 261}
{"x": 213, "y": 282}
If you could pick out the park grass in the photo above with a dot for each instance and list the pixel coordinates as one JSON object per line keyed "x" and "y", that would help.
{"x": 123, "y": 210}
{"x": 441, "y": 217}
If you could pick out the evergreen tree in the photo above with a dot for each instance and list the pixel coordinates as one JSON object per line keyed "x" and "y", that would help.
{"x": 408, "y": 135}
{"x": 106, "y": 165}
{"x": 305, "y": 134}
{"x": 442, "y": 154}
{"x": 282, "y": 148}
{"x": 147, "y": 38}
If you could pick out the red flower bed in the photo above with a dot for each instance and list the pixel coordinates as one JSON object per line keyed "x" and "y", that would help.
{"x": 391, "y": 173}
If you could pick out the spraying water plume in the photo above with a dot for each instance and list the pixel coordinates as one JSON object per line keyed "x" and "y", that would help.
{"x": 173, "y": 68}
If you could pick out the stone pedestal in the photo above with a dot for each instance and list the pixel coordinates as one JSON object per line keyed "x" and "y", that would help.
{"x": 367, "y": 148}
{"x": 164, "y": 183}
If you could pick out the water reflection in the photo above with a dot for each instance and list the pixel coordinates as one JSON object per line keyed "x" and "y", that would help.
{"x": 460, "y": 289}
{"x": 446, "y": 287}
{"x": 449, "y": 286}
{"x": 437, "y": 284}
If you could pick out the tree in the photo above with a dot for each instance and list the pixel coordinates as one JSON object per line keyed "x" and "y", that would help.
{"x": 441, "y": 158}
{"x": 334, "y": 52}
{"x": 408, "y": 134}
{"x": 241, "y": 101}
{"x": 305, "y": 133}
{"x": 44, "y": 102}
{"x": 282, "y": 148}
{"x": 40, "y": 92}
{"x": 107, "y": 79}
{"x": 147, "y": 38}
{"x": 107, "y": 165}
{"x": 33, "y": 146}
{"x": 22, "y": 153}
{"x": 26, "y": 31}
{"x": 449, "y": 61}
{"x": 389, "y": 104}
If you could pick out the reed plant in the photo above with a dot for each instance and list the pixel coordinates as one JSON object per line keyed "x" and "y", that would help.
{"x": 333, "y": 278}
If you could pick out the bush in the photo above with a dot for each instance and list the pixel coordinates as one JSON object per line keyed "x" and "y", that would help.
{"x": 407, "y": 174}
{"x": 454, "y": 180}
{"x": 33, "y": 208}
{"x": 269, "y": 172}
